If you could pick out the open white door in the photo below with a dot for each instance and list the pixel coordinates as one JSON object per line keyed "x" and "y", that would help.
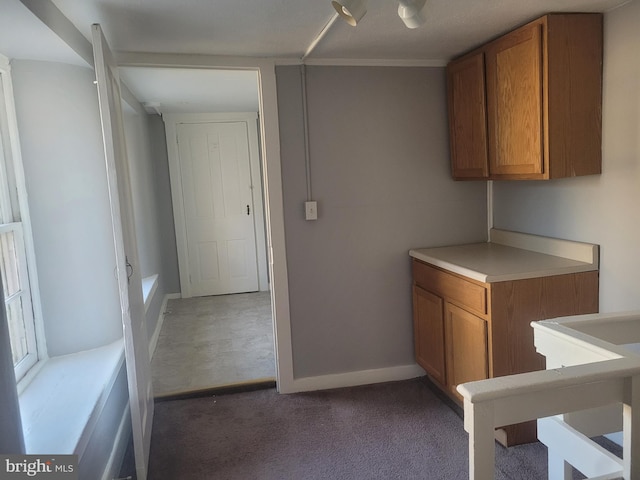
{"x": 127, "y": 268}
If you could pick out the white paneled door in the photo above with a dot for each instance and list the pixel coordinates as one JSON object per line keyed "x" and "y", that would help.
{"x": 127, "y": 265}
{"x": 218, "y": 202}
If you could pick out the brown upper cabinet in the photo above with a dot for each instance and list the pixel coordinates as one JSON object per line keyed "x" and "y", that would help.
{"x": 528, "y": 105}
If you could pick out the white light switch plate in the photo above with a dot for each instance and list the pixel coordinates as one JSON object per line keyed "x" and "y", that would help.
{"x": 311, "y": 210}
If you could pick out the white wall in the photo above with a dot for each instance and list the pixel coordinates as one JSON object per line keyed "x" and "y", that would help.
{"x": 600, "y": 209}
{"x": 141, "y": 166}
{"x": 381, "y": 176}
{"x": 96, "y": 455}
{"x": 11, "y": 436}
{"x": 146, "y": 150}
{"x": 63, "y": 156}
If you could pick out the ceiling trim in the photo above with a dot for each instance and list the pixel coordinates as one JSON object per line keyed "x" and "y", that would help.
{"x": 361, "y": 62}
{"x": 375, "y": 62}
{"x": 176, "y": 60}
{"x": 171, "y": 60}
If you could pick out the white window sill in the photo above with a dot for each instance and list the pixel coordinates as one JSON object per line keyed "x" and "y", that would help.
{"x": 149, "y": 286}
{"x": 62, "y": 404}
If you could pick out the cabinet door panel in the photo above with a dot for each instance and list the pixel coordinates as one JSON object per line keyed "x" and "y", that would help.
{"x": 574, "y": 50}
{"x": 514, "y": 95}
{"x": 428, "y": 327}
{"x": 467, "y": 117}
{"x": 466, "y": 346}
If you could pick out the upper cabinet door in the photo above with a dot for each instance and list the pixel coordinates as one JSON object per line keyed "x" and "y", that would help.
{"x": 514, "y": 103}
{"x": 574, "y": 94}
{"x": 467, "y": 117}
{"x": 543, "y": 108}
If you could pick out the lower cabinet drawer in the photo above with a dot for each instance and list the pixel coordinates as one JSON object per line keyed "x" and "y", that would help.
{"x": 451, "y": 287}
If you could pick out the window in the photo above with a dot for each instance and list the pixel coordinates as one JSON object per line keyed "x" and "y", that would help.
{"x": 17, "y": 298}
{"x": 14, "y": 264}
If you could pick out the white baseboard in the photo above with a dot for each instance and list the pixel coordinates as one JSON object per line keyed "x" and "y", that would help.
{"x": 156, "y": 333}
{"x": 321, "y": 382}
{"x": 112, "y": 469}
{"x": 352, "y": 379}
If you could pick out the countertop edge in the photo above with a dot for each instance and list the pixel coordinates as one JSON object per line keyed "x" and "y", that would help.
{"x": 590, "y": 252}
{"x": 451, "y": 267}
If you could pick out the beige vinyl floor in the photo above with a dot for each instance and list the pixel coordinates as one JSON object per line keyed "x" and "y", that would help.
{"x": 215, "y": 341}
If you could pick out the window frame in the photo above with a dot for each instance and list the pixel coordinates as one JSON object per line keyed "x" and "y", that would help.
{"x": 12, "y": 175}
{"x": 22, "y": 296}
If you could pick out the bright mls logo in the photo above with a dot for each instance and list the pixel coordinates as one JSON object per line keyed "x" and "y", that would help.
{"x": 51, "y": 467}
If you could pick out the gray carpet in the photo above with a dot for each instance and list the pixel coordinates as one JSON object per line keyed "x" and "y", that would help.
{"x": 397, "y": 430}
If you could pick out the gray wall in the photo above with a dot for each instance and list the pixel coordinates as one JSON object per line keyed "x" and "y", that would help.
{"x": 63, "y": 156}
{"x": 164, "y": 207}
{"x": 380, "y": 170}
{"x": 600, "y": 209}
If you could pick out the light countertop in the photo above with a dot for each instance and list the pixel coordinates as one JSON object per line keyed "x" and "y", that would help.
{"x": 512, "y": 256}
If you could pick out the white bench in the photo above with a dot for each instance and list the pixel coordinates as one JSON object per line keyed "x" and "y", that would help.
{"x": 590, "y": 387}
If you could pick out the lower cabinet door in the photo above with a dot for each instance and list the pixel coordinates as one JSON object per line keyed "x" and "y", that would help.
{"x": 466, "y": 340}
{"x": 428, "y": 324}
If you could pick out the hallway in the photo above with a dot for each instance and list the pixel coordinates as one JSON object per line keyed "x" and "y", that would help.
{"x": 215, "y": 341}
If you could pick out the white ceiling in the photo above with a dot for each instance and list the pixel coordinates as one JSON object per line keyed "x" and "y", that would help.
{"x": 194, "y": 91}
{"x": 23, "y": 36}
{"x": 283, "y": 29}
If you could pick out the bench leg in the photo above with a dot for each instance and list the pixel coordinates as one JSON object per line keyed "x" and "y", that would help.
{"x": 631, "y": 431}
{"x": 559, "y": 469}
{"x": 482, "y": 455}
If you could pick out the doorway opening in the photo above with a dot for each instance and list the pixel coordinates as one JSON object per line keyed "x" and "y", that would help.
{"x": 215, "y": 338}
{"x": 214, "y": 342}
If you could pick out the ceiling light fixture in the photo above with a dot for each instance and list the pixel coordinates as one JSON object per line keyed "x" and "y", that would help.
{"x": 412, "y": 12}
{"x": 351, "y": 11}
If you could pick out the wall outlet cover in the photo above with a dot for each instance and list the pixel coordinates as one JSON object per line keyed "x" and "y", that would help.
{"x": 311, "y": 210}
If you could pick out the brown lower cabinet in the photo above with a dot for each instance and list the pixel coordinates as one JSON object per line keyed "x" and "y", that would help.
{"x": 467, "y": 330}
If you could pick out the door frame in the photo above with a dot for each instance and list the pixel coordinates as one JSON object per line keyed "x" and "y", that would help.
{"x": 171, "y": 121}
{"x": 272, "y": 185}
